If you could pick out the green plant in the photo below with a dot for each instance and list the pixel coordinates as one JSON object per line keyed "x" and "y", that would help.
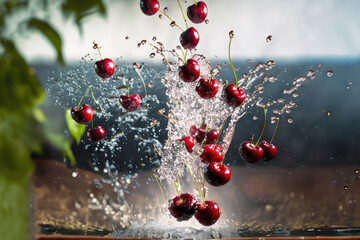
{"x": 23, "y": 126}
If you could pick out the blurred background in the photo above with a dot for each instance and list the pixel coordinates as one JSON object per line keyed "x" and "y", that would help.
{"x": 44, "y": 43}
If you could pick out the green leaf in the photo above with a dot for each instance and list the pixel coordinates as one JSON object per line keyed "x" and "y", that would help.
{"x": 50, "y": 33}
{"x": 76, "y": 129}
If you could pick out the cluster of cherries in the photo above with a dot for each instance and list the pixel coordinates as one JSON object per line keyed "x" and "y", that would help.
{"x": 83, "y": 114}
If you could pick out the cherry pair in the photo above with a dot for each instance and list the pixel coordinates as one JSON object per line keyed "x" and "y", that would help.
{"x": 253, "y": 153}
{"x": 83, "y": 115}
{"x": 185, "y": 206}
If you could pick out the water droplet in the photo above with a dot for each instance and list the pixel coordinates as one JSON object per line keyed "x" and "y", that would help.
{"x": 139, "y": 45}
{"x": 166, "y": 9}
{"x": 154, "y": 38}
{"x": 350, "y": 82}
{"x": 269, "y": 38}
{"x": 328, "y": 113}
{"x": 249, "y": 61}
{"x": 311, "y": 74}
{"x": 329, "y": 73}
{"x": 127, "y": 37}
{"x": 143, "y": 42}
{"x": 160, "y": 16}
{"x": 172, "y": 24}
{"x": 152, "y": 55}
{"x": 356, "y": 171}
{"x": 346, "y": 187}
{"x": 255, "y": 117}
{"x": 347, "y": 87}
{"x": 207, "y": 21}
{"x": 290, "y": 120}
{"x": 151, "y": 84}
{"x": 74, "y": 174}
{"x": 178, "y": 47}
{"x": 231, "y": 34}
{"x": 295, "y": 95}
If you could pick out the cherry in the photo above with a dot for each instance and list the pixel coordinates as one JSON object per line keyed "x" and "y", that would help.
{"x": 217, "y": 174}
{"x": 234, "y": 96}
{"x": 190, "y": 71}
{"x": 198, "y": 133}
{"x": 96, "y": 134}
{"x": 130, "y": 103}
{"x": 189, "y": 143}
{"x": 83, "y": 114}
{"x": 211, "y": 153}
{"x": 207, "y": 213}
{"x": 250, "y": 152}
{"x": 189, "y": 38}
{"x": 105, "y": 68}
{"x": 149, "y": 7}
{"x": 269, "y": 150}
{"x": 197, "y": 12}
{"x": 207, "y": 89}
{"x": 183, "y": 208}
{"x": 212, "y": 136}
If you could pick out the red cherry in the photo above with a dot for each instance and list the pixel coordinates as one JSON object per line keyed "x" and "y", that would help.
{"x": 197, "y": 13}
{"x": 211, "y": 153}
{"x": 250, "y": 152}
{"x": 189, "y": 39}
{"x": 189, "y": 143}
{"x": 183, "y": 210}
{"x": 149, "y": 7}
{"x": 97, "y": 134}
{"x": 217, "y": 174}
{"x": 82, "y": 115}
{"x": 130, "y": 103}
{"x": 212, "y": 136}
{"x": 207, "y": 89}
{"x": 269, "y": 150}
{"x": 190, "y": 71}
{"x": 207, "y": 213}
{"x": 234, "y": 96}
{"x": 105, "y": 68}
{"x": 198, "y": 133}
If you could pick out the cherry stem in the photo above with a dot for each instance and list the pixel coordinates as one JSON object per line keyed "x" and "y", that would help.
{"x": 263, "y": 126}
{"x": 252, "y": 138}
{"x": 162, "y": 191}
{"x": 212, "y": 74}
{"x": 161, "y": 52}
{"x": 113, "y": 136}
{"x": 137, "y": 71}
{"x": 274, "y": 131}
{"x": 93, "y": 97}
{"x": 177, "y": 190}
{"x": 222, "y": 129}
{"x": 83, "y": 96}
{"x": 187, "y": 27}
{"x": 184, "y": 56}
{"x": 195, "y": 2}
{"x": 232, "y": 65}
{"x": 171, "y": 20}
{"x": 178, "y": 179}
{"x": 92, "y": 123}
{"x": 197, "y": 185}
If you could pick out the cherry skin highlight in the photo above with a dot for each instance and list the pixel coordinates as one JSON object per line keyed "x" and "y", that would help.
{"x": 83, "y": 114}
{"x": 189, "y": 143}
{"x": 207, "y": 213}
{"x": 190, "y": 71}
{"x": 211, "y": 153}
{"x": 269, "y": 150}
{"x": 189, "y": 39}
{"x": 197, "y": 13}
{"x": 183, "y": 208}
{"x": 96, "y": 134}
{"x": 130, "y": 103}
{"x": 250, "y": 152}
{"x": 149, "y": 7}
{"x": 212, "y": 136}
{"x": 234, "y": 96}
{"x": 105, "y": 68}
{"x": 207, "y": 89}
{"x": 217, "y": 174}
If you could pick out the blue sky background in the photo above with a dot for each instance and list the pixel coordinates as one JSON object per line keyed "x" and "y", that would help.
{"x": 300, "y": 29}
